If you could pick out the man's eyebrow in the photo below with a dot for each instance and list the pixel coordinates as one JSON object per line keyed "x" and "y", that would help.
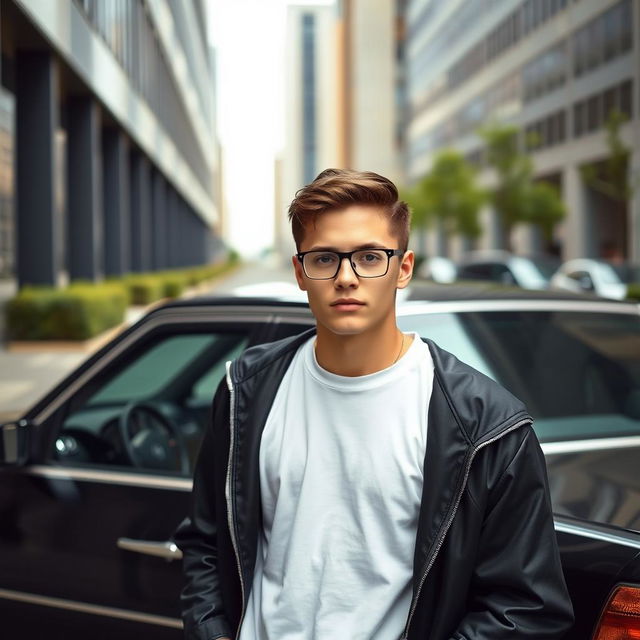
{"x": 368, "y": 245}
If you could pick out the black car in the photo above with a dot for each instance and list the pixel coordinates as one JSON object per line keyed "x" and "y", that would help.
{"x": 97, "y": 475}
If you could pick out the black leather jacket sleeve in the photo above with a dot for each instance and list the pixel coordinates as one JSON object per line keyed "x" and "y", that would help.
{"x": 201, "y": 598}
{"x": 518, "y": 589}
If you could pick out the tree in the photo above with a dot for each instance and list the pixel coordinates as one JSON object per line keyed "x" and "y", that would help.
{"x": 516, "y": 197}
{"x": 448, "y": 194}
{"x": 611, "y": 177}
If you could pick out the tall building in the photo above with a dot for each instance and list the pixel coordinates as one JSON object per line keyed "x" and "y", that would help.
{"x": 342, "y": 94}
{"x": 555, "y": 68}
{"x": 108, "y": 156}
{"x": 369, "y": 70}
{"x": 311, "y": 104}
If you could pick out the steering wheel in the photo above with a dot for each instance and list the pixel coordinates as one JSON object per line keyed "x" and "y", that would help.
{"x": 157, "y": 443}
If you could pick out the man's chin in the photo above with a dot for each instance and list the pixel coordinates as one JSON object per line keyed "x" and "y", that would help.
{"x": 344, "y": 326}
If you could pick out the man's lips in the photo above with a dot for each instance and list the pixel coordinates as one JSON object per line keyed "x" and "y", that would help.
{"x": 347, "y": 304}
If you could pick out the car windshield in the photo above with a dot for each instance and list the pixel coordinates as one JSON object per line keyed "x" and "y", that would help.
{"x": 608, "y": 274}
{"x": 528, "y": 273}
{"x": 577, "y": 372}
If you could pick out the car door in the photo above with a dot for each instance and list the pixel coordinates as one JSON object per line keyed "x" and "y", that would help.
{"x": 85, "y": 534}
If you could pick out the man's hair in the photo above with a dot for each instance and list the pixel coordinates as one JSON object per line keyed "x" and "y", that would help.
{"x": 339, "y": 188}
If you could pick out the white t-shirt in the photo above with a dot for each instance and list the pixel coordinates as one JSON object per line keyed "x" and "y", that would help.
{"x": 341, "y": 475}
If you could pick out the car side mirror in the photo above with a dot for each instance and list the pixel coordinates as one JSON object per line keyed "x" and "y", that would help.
{"x": 14, "y": 443}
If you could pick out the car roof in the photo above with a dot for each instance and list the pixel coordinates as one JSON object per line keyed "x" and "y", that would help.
{"x": 425, "y": 291}
{"x": 485, "y": 255}
{"x": 581, "y": 263}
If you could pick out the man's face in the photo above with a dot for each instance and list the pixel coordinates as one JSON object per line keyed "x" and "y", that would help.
{"x": 354, "y": 227}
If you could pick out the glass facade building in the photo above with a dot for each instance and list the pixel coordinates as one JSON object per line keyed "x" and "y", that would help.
{"x": 554, "y": 68}
{"x": 108, "y": 147}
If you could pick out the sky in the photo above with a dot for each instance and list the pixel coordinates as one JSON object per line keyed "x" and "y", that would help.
{"x": 249, "y": 39}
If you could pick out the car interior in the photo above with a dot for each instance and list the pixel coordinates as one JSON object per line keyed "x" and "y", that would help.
{"x": 148, "y": 410}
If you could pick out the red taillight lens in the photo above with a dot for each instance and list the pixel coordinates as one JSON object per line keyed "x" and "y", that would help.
{"x": 621, "y": 617}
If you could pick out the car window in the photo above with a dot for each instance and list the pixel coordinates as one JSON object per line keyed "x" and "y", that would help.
{"x": 577, "y": 372}
{"x": 475, "y": 271}
{"x": 607, "y": 274}
{"x": 528, "y": 273}
{"x": 148, "y": 410}
{"x": 146, "y": 375}
{"x": 205, "y": 387}
{"x": 501, "y": 273}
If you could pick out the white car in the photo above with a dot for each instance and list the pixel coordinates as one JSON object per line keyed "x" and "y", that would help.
{"x": 502, "y": 267}
{"x": 439, "y": 269}
{"x": 595, "y": 276}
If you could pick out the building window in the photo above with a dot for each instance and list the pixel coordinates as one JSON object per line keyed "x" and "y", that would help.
{"x": 545, "y": 73}
{"x": 579, "y": 119}
{"x": 546, "y": 132}
{"x": 610, "y": 102}
{"x": 626, "y": 99}
{"x": 309, "y": 142}
{"x": 604, "y": 38}
{"x": 592, "y": 113}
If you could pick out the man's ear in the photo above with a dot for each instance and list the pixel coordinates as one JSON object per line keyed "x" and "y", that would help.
{"x": 406, "y": 269}
{"x": 297, "y": 269}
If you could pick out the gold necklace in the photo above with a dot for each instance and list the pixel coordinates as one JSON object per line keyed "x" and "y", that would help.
{"x": 399, "y": 352}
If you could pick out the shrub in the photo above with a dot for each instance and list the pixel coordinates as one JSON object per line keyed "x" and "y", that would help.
{"x": 633, "y": 291}
{"x": 78, "y": 312}
{"x": 85, "y": 309}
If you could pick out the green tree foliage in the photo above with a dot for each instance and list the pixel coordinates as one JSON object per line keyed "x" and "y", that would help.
{"x": 545, "y": 207}
{"x": 516, "y": 197}
{"x": 448, "y": 195}
{"x": 611, "y": 177}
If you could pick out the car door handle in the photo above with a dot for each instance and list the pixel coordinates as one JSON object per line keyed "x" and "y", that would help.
{"x": 166, "y": 549}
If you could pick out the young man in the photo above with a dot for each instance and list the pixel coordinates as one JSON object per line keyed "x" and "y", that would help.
{"x": 359, "y": 482}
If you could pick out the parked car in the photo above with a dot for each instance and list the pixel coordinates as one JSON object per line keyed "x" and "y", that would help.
{"x": 438, "y": 269}
{"x": 96, "y": 476}
{"x": 527, "y": 272}
{"x": 596, "y": 276}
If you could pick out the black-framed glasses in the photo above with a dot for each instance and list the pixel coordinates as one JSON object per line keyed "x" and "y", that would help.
{"x": 367, "y": 263}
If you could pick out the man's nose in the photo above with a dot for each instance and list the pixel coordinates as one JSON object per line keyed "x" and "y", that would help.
{"x": 346, "y": 273}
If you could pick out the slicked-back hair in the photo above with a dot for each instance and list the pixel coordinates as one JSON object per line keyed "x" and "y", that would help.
{"x": 335, "y": 189}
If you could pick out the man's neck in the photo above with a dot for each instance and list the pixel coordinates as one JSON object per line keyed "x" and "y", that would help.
{"x": 360, "y": 354}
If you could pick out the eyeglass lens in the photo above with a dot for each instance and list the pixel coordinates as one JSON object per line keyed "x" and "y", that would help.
{"x": 368, "y": 263}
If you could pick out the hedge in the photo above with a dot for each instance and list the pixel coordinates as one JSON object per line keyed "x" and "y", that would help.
{"x": 633, "y": 291}
{"x": 78, "y": 312}
{"x": 86, "y": 309}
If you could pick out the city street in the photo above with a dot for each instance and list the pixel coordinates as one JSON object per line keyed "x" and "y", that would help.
{"x": 27, "y": 374}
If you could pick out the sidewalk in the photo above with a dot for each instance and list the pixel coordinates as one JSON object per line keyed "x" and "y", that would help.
{"x": 27, "y": 376}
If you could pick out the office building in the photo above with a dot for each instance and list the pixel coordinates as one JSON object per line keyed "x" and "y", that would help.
{"x": 554, "y": 68}
{"x": 108, "y": 160}
{"x": 342, "y": 95}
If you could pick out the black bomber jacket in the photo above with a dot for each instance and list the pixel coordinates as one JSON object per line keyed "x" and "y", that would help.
{"x": 486, "y": 562}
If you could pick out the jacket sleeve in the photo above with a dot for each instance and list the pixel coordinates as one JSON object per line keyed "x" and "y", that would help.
{"x": 518, "y": 589}
{"x": 203, "y": 613}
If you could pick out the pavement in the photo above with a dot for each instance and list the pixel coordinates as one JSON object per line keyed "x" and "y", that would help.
{"x": 26, "y": 375}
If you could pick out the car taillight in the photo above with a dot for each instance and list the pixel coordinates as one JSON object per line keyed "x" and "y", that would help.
{"x": 621, "y": 617}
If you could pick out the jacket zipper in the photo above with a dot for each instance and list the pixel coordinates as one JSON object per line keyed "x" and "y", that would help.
{"x": 405, "y": 635}
{"x": 228, "y": 491}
